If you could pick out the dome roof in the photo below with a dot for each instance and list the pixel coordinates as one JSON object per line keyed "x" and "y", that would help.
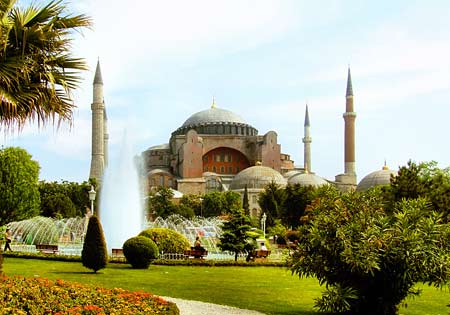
{"x": 291, "y": 173}
{"x": 213, "y": 115}
{"x": 307, "y": 179}
{"x": 216, "y": 121}
{"x": 257, "y": 177}
{"x": 381, "y": 177}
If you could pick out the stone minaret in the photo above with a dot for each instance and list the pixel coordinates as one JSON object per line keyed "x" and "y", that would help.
{"x": 349, "y": 118}
{"x": 348, "y": 179}
{"x": 307, "y": 143}
{"x": 99, "y": 130}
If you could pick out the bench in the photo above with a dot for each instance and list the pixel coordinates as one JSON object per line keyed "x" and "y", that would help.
{"x": 117, "y": 253}
{"x": 195, "y": 253}
{"x": 258, "y": 255}
{"x": 47, "y": 248}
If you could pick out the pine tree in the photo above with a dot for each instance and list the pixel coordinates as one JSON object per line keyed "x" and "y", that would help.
{"x": 245, "y": 203}
{"x": 235, "y": 233}
{"x": 95, "y": 254}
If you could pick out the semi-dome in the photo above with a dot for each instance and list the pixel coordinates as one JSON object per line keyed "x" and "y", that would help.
{"x": 377, "y": 178}
{"x": 257, "y": 177}
{"x": 307, "y": 179}
{"x": 216, "y": 121}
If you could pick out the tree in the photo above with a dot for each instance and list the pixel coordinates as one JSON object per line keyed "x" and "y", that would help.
{"x": 194, "y": 202}
{"x": 95, "y": 253}
{"x": 425, "y": 180}
{"x": 37, "y": 73}
{"x": 65, "y": 199}
{"x": 160, "y": 203}
{"x": 245, "y": 203}
{"x": 270, "y": 201}
{"x": 19, "y": 193}
{"x": 235, "y": 231}
{"x": 213, "y": 204}
{"x": 368, "y": 258}
{"x": 297, "y": 198}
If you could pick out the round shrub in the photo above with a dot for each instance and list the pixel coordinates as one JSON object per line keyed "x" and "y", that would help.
{"x": 167, "y": 240}
{"x": 140, "y": 251}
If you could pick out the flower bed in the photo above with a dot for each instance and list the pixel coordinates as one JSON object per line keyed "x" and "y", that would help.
{"x": 42, "y": 296}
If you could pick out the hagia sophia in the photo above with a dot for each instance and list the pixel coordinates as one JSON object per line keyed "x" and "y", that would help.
{"x": 217, "y": 150}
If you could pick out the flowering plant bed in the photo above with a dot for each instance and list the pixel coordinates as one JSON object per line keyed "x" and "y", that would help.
{"x": 42, "y": 296}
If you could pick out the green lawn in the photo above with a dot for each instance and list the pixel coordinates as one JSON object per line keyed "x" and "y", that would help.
{"x": 271, "y": 290}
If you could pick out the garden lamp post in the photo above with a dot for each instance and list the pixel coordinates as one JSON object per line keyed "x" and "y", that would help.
{"x": 92, "y": 194}
{"x": 263, "y": 224}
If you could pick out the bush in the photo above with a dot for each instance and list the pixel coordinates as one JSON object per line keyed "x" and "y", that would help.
{"x": 167, "y": 240}
{"x": 43, "y": 296}
{"x": 368, "y": 258}
{"x": 140, "y": 251}
{"x": 94, "y": 254}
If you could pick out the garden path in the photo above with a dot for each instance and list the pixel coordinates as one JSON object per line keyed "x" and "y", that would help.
{"x": 188, "y": 307}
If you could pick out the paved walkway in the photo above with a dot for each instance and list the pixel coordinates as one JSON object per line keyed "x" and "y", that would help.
{"x": 188, "y": 307}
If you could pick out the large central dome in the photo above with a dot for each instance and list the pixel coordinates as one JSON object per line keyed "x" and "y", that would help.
{"x": 216, "y": 121}
{"x": 213, "y": 115}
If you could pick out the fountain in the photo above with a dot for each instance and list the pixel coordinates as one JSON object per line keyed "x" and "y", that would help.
{"x": 121, "y": 209}
{"x": 67, "y": 233}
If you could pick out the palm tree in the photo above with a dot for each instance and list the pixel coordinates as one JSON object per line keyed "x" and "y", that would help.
{"x": 37, "y": 71}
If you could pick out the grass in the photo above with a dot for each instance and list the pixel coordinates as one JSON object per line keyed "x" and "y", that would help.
{"x": 272, "y": 290}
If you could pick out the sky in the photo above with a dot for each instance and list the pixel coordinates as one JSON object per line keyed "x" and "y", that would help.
{"x": 163, "y": 61}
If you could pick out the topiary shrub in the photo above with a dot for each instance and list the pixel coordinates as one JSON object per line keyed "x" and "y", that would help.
{"x": 94, "y": 254}
{"x": 140, "y": 251}
{"x": 167, "y": 240}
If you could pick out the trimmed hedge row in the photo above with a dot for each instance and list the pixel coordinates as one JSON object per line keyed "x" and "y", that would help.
{"x": 165, "y": 262}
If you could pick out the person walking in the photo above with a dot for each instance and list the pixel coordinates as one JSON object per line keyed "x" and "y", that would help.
{"x": 8, "y": 240}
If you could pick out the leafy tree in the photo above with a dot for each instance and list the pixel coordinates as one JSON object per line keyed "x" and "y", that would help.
{"x": 370, "y": 259}
{"x": 213, "y": 204}
{"x": 37, "y": 73}
{"x": 245, "y": 203}
{"x": 270, "y": 201}
{"x": 19, "y": 193}
{"x": 65, "y": 199}
{"x": 235, "y": 233}
{"x": 232, "y": 201}
{"x": 160, "y": 203}
{"x": 193, "y": 202}
{"x": 424, "y": 180}
{"x": 297, "y": 198}
{"x": 95, "y": 253}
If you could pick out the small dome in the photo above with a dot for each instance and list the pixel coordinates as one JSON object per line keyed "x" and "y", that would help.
{"x": 377, "y": 178}
{"x": 291, "y": 173}
{"x": 213, "y": 115}
{"x": 307, "y": 179}
{"x": 257, "y": 177}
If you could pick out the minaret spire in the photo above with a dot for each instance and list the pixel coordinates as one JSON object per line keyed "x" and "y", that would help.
{"x": 349, "y": 136}
{"x": 307, "y": 143}
{"x": 99, "y": 130}
{"x": 349, "y": 84}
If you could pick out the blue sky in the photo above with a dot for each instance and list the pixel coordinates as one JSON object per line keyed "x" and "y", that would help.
{"x": 264, "y": 60}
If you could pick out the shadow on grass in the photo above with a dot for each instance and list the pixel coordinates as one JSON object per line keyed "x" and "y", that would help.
{"x": 75, "y": 273}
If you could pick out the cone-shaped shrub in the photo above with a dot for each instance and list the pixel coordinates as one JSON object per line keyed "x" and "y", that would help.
{"x": 140, "y": 251}
{"x": 95, "y": 254}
